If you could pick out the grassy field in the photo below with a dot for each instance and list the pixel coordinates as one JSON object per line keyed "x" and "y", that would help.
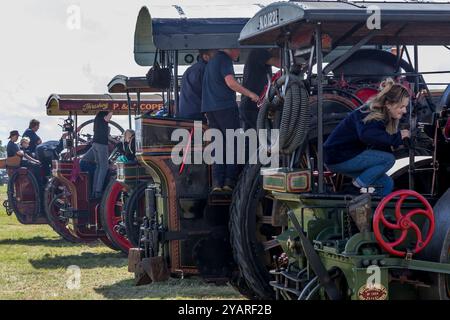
{"x": 34, "y": 263}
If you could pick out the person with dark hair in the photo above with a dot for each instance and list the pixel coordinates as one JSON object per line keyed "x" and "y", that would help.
{"x": 99, "y": 151}
{"x": 191, "y": 87}
{"x": 361, "y": 145}
{"x": 257, "y": 72}
{"x": 219, "y": 103}
{"x": 35, "y": 140}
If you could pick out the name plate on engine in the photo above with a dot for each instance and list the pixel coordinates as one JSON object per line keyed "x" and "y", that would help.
{"x": 268, "y": 20}
{"x": 286, "y": 180}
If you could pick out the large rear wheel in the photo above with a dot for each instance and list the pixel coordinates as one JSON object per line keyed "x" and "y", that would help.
{"x": 252, "y": 232}
{"x": 24, "y": 196}
{"x": 438, "y": 250}
{"x": 111, "y": 213}
{"x": 134, "y": 214}
{"x": 57, "y": 197}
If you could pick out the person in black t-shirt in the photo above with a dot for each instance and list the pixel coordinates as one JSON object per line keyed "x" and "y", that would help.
{"x": 99, "y": 152}
{"x": 257, "y": 69}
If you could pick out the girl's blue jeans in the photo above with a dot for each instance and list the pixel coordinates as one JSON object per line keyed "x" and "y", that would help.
{"x": 369, "y": 169}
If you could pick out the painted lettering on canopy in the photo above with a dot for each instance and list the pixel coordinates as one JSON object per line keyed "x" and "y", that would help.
{"x": 116, "y": 106}
{"x": 268, "y": 20}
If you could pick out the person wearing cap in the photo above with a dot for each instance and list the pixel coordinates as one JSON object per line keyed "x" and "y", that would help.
{"x": 12, "y": 149}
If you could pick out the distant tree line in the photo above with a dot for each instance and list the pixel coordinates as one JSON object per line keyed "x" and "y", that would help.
{"x": 2, "y": 150}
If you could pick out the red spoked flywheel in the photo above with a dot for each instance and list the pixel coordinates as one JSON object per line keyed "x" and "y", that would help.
{"x": 403, "y": 222}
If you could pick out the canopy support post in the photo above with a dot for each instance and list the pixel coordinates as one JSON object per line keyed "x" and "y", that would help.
{"x": 129, "y": 109}
{"x": 319, "y": 57}
{"x": 412, "y": 121}
{"x": 76, "y": 135}
{"x": 137, "y": 111}
{"x": 175, "y": 76}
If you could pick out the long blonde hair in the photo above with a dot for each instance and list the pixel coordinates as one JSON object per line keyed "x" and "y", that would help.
{"x": 390, "y": 92}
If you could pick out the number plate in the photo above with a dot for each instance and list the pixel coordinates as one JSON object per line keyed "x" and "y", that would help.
{"x": 268, "y": 20}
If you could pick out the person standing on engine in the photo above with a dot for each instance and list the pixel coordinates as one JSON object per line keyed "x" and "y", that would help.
{"x": 219, "y": 104}
{"x": 99, "y": 151}
{"x": 361, "y": 145}
{"x": 191, "y": 87}
{"x": 257, "y": 72}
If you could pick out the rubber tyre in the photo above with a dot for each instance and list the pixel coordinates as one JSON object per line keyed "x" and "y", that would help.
{"x": 438, "y": 250}
{"x": 132, "y": 229}
{"x": 109, "y": 244}
{"x": 13, "y": 202}
{"x": 242, "y": 234}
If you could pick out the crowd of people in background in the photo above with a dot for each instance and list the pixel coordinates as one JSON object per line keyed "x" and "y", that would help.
{"x": 30, "y": 152}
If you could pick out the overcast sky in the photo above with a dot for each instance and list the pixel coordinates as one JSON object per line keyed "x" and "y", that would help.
{"x": 41, "y": 55}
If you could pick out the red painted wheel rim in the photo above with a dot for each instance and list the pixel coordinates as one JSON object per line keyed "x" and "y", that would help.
{"x": 112, "y": 219}
{"x": 403, "y": 223}
{"x": 365, "y": 94}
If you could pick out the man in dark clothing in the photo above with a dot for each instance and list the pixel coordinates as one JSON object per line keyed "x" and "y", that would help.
{"x": 219, "y": 103}
{"x": 191, "y": 87}
{"x": 12, "y": 148}
{"x": 31, "y": 134}
{"x": 257, "y": 71}
{"x": 99, "y": 152}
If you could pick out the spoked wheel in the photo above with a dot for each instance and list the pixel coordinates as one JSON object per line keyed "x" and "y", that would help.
{"x": 57, "y": 197}
{"x": 134, "y": 212}
{"x": 252, "y": 232}
{"x": 24, "y": 197}
{"x": 112, "y": 215}
{"x": 85, "y": 133}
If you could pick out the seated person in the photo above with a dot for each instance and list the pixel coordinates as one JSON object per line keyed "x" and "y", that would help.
{"x": 12, "y": 149}
{"x": 35, "y": 140}
{"x": 26, "y": 160}
{"x": 127, "y": 148}
{"x": 361, "y": 145}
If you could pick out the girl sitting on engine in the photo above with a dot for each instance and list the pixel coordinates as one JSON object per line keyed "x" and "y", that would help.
{"x": 127, "y": 147}
{"x": 361, "y": 145}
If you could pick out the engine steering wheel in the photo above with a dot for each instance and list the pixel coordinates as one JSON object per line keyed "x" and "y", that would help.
{"x": 90, "y": 135}
{"x": 403, "y": 222}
